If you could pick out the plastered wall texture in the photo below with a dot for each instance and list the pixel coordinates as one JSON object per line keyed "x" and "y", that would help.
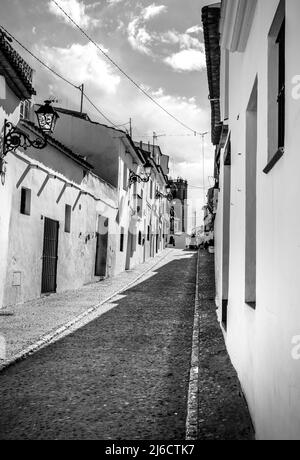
{"x": 260, "y": 341}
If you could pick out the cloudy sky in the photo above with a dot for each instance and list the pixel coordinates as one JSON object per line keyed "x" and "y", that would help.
{"x": 158, "y": 44}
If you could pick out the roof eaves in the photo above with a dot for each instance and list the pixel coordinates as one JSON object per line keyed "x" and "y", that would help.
{"x": 211, "y": 18}
{"x": 55, "y": 143}
{"x": 18, "y": 72}
{"x": 74, "y": 113}
{"x": 85, "y": 117}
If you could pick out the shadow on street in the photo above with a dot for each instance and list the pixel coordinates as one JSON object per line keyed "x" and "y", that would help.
{"x": 123, "y": 376}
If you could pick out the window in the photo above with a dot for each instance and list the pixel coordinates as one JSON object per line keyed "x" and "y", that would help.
{"x": 276, "y": 88}
{"x": 251, "y": 203}
{"x": 281, "y": 86}
{"x": 2, "y": 87}
{"x": 140, "y": 238}
{"x": 68, "y": 212}
{"x": 139, "y": 205}
{"x": 125, "y": 177}
{"x": 25, "y": 201}
{"x": 151, "y": 189}
{"x": 122, "y": 240}
{"x": 148, "y": 233}
{"x": 226, "y": 85}
{"x": 25, "y": 109}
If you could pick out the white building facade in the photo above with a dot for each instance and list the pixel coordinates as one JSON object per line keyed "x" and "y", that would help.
{"x": 69, "y": 213}
{"x": 15, "y": 87}
{"x": 141, "y": 216}
{"x": 253, "y": 71}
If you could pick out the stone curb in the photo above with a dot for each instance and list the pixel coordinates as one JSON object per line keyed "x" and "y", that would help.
{"x": 65, "y": 330}
{"x": 192, "y": 406}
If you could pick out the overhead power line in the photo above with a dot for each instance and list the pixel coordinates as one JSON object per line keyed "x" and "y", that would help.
{"x": 99, "y": 111}
{"x": 138, "y": 86}
{"x": 59, "y": 76}
{"x": 37, "y": 58}
{"x": 146, "y": 136}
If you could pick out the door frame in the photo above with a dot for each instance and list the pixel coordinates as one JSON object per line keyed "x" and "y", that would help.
{"x": 56, "y": 252}
{"x": 100, "y": 246}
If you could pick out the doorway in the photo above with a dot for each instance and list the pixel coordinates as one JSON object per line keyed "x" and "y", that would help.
{"x": 226, "y": 233}
{"x": 129, "y": 250}
{"x": 50, "y": 253}
{"x": 101, "y": 247}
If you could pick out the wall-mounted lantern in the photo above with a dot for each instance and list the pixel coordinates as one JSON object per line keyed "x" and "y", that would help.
{"x": 134, "y": 178}
{"x": 14, "y": 138}
{"x": 47, "y": 117}
{"x": 168, "y": 196}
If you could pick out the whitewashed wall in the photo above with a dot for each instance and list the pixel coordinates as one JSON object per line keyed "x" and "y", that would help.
{"x": 260, "y": 341}
{"x": 76, "y": 250}
{"x": 10, "y": 110}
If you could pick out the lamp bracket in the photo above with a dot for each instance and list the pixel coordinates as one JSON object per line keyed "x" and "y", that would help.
{"x": 14, "y": 139}
{"x": 160, "y": 195}
{"x": 134, "y": 178}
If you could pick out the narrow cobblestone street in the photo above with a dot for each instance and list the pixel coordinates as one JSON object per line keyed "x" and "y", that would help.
{"x": 148, "y": 154}
{"x": 125, "y": 375}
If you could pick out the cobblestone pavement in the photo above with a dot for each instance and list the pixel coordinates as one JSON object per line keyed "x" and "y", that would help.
{"x": 223, "y": 414}
{"x": 123, "y": 376}
{"x": 33, "y": 320}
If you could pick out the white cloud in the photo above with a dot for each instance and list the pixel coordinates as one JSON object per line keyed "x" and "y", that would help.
{"x": 153, "y": 10}
{"x": 82, "y": 64}
{"x": 184, "y": 149}
{"x": 114, "y": 2}
{"x": 180, "y": 144}
{"x": 76, "y": 9}
{"x": 121, "y": 25}
{"x": 185, "y": 41}
{"x": 194, "y": 30}
{"x": 191, "y": 54}
{"x": 93, "y": 5}
{"x": 138, "y": 36}
{"x": 187, "y": 60}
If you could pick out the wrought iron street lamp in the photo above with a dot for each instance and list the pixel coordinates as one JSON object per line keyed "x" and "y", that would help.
{"x": 47, "y": 117}
{"x": 15, "y": 138}
{"x": 168, "y": 196}
{"x": 134, "y": 178}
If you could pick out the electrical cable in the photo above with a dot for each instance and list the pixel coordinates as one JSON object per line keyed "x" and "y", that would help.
{"x": 98, "y": 110}
{"x": 146, "y": 136}
{"x": 139, "y": 87}
{"x": 86, "y": 96}
{"x": 38, "y": 59}
{"x": 58, "y": 75}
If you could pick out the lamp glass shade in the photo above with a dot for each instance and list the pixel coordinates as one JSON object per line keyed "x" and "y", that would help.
{"x": 47, "y": 117}
{"x": 168, "y": 189}
{"x": 148, "y": 169}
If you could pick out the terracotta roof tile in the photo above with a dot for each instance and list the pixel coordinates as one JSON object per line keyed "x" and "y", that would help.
{"x": 18, "y": 72}
{"x": 211, "y": 19}
{"x": 66, "y": 150}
